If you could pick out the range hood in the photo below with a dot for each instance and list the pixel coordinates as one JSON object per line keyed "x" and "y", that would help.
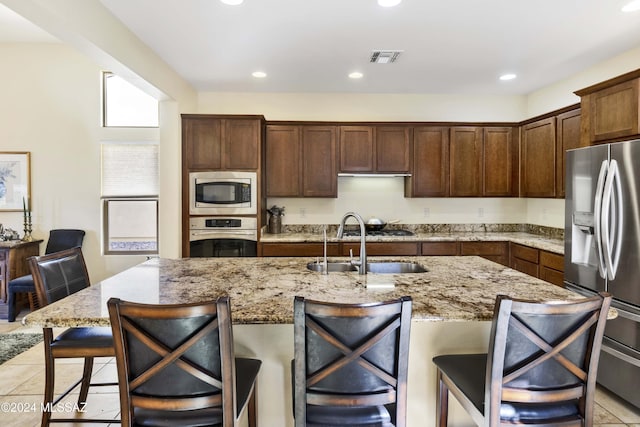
{"x": 374, "y": 175}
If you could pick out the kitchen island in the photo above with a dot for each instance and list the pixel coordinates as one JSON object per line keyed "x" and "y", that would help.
{"x": 452, "y": 308}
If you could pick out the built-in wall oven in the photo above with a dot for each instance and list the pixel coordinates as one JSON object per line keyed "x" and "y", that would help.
{"x": 223, "y": 193}
{"x": 223, "y": 237}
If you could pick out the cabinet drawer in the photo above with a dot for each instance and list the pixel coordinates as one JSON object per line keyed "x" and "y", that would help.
{"x": 551, "y": 260}
{"x": 299, "y": 249}
{"x": 440, "y": 248}
{"x": 524, "y": 253}
{"x": 526, "y": 267}
{"x": 552, "y": 276}
{"x": 381, "y": 249}
{"x": 483, "y": 248}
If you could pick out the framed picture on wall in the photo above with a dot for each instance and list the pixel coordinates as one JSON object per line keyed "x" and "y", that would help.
{"x": 15, "y": 181}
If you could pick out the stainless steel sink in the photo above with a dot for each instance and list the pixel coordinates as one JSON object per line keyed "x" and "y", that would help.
{"x": 332, "y": 266}
{"x": 395, "y": 267}
{"x": 381, "y": 267}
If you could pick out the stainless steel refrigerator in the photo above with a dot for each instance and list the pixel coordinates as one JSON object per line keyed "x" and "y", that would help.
{"x": 602, "y": 251}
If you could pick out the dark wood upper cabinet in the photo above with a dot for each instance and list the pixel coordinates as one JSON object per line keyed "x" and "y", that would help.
{"x": 392, "y": 149}
{"x": 430, "y": 169}
{"x": 465, "y": 167}
{"x": 319, "y": 174}
{"x": 375, "y": 149}
{"x": 568, "y": 129}
{"x": 301, "y": 161}
{"x": 215, "y": 143}
{"x": 241, "y": 144}
{"x": 356, "y": 149}
{"x": 538, "y": 165}
{"x": 282, "y": 161}
{"x": 610, "y": 109}
{"x": 500, "y": 160}
{"x": 202, "y": 142}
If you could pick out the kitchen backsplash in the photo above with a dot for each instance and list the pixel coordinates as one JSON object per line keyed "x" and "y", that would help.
{"x": 549, "y": 232}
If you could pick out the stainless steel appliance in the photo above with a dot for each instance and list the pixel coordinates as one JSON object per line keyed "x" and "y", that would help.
{"x": 223, "y": 193}
{"x": 223, "y": 237}
{"x": 602, "y": 251}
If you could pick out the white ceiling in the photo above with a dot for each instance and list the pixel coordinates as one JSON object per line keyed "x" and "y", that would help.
{"x": 450, "y": 47}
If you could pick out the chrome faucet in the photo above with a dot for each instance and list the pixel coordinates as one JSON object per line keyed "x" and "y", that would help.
{"x": 363, "y": 251}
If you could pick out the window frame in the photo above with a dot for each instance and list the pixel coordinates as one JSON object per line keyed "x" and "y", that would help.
{"x": 105, "y": 226}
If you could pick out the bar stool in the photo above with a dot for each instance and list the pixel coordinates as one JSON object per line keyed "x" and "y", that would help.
{"x": 540, "y": 369}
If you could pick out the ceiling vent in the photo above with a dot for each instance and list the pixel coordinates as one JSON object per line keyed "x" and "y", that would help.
{"x": 384, "y": 56}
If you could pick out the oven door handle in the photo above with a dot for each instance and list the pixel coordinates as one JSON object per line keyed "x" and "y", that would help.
{"x": 236, "y": 234}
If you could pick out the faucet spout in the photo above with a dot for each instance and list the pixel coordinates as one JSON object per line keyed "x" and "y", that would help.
{"x": 362, "y": 263}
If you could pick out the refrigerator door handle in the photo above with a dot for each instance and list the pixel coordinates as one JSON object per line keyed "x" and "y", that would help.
{"x": 612, "y": 220}
{"x": 597, "y": 213}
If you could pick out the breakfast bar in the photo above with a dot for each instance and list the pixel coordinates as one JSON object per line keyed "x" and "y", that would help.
{"x": 452, "y": 308}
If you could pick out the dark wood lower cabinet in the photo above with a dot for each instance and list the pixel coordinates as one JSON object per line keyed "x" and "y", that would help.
{"x": 298, "y": 249}
{"x": 440, "y": 248}
{"x": 542, "y": 264}
{"x": 493, "y": 251}
{"x": 381, "y": 249}
{"x": 552, "y": 268}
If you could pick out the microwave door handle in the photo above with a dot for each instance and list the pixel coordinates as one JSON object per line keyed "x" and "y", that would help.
{"x": 597, "y": 213}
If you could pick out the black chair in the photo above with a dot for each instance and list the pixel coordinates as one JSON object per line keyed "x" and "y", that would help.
{"x": 56, "y": 276}
{"x": 176, "y": 365}
{"x": 540, "y": 369}
{"x": 58, "y": 240}
{"x": 350, "y": 365}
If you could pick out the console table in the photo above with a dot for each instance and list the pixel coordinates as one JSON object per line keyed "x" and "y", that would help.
{"x": 13, "y": 263}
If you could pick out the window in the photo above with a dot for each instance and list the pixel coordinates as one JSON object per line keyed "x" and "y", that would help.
{"x": 125, "y": 105}
{"x": 130, "y": 198}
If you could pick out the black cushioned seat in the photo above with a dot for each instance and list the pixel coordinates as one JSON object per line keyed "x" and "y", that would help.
{"x": 540, "y": 369}
{"x": 176, "y": 366}
{"x": 59, "y": 240}
{"x": 351, "y": 362}
{"x": 56, "y": 276}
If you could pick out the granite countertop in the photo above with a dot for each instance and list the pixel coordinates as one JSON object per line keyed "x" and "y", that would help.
{"x": 529, "y": 239}
{"x": 262, "y": 289}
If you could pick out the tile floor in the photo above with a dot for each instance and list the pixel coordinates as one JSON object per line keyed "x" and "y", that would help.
{"x": 22, "y": 383}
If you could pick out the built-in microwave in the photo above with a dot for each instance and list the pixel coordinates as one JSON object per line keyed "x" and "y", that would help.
{"x": 223, "y": 193}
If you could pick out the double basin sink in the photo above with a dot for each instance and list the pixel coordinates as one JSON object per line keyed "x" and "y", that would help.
{"x": 383, "y": 267}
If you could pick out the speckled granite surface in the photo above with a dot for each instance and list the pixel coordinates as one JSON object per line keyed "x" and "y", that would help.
{"x": 262, "y": 289}
{"x": 535, "y": 236}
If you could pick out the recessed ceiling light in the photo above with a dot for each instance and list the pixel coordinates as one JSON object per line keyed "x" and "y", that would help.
{"x": 355, "y": 75}
{"x": 389, "y": 3}
{"x": 232, "y": 2}
{"x": 259, "y": 74}
{"x": 633, "y": 6}
{"x": 509, "y": 76}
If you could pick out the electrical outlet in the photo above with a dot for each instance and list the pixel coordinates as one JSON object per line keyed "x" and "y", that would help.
{"x": 303, "y": 212}
{"x": 480, "y": 212}
{"x": 426, "y": 212}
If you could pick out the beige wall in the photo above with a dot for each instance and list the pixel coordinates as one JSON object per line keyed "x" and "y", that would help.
{"x": 50, "y": 106}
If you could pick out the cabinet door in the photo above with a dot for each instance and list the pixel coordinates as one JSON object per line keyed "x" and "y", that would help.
{"x": 614, "y": 111}
{"x": 538, "y": 167}
{"x": 498, "y": 162}
{"x": 439, "y": 248}
{"x": 319, "y": 176}
{"x": 241, "y": 148}
{"x": 568, "y": 138}
{"x": 493, "y": 251}
{"x": 356, "y": 149}
{"x": 465, "y": 161}
{"x": 430, "y": 171}
{"x": 282, "y": 161}
{"x": 202, "y": 142}
{"x": 392, "y": 149}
